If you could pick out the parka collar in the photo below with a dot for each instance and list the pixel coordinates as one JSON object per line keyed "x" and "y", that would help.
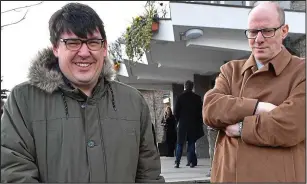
{"x": 44, "y": 72}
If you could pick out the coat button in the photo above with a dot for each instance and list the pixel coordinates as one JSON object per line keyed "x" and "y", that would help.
{"x": 91, "y": 144}
{"x": 83, "y": 106}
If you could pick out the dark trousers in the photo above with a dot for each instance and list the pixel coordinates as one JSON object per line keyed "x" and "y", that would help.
{"x": 190, "y": 153}
{"x": 171, "y": 149}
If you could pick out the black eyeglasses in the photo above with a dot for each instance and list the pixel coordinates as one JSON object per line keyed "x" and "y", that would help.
{"x": 266, "y": 32}
{"x": 75, "y": 44}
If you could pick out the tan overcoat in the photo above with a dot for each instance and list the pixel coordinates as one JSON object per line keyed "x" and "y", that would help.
{"x": 272, "y": 145}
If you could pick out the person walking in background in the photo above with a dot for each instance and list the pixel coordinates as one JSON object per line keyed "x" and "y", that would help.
{"x": 188, "y": 113}
{"x": 169, "y": 124}
{"x": 258, "y": 105}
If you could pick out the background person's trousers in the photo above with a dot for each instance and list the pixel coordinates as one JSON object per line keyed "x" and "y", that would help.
{"x": 171, "y": 146}
{"x": 212, "y": 134}
{"x": 191, "y": 155}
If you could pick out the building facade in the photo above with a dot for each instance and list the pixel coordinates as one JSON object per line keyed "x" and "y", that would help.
{"x": 196, "y": 41}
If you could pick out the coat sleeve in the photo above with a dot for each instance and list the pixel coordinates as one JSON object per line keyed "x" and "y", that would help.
{"x": 17, "y": 145}
{"x": 220, "y": 108}
{"x": 149, "y": 165}
{"x": 200, "y": 105}
{"x": 284, "y": 126}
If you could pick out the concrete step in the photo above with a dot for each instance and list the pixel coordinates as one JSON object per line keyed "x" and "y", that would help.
{"x": 185, "y": 173}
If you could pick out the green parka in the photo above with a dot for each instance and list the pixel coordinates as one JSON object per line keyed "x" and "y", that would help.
{"x": 51, "y": 132}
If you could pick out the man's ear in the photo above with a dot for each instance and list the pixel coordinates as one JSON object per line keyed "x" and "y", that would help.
{"x": 284, "y": 31}
{"x": 55, "y": 50}
{"x": 105, "y": 48}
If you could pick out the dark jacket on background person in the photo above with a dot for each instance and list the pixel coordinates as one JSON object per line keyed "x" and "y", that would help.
{"x": 169, "y": 125}
{"x": 188, "y": 113}
{"x": 53, "y": 133}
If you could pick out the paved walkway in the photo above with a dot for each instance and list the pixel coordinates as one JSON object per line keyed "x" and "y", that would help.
{"x": 185, "y": 173}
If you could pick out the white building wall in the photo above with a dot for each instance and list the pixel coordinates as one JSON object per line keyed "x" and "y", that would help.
{"x": 224, "y": 17}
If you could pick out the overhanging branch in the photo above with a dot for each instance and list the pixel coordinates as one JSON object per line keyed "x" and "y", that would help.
{"x": 14, "y": 9}
{"x": 2, "y": 26}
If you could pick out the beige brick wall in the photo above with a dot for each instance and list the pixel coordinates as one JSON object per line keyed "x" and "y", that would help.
{"x": 300, "y": 44}
{"x": 252, "y": 3}
{"x": 154, "y": 100}
{"x": 298, "y": 5}
{"x": 294, "y": 5}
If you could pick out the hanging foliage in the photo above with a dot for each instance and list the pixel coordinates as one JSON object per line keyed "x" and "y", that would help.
{"x": 139, "y": 34}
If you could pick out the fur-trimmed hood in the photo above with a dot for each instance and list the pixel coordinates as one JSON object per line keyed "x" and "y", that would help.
{"x": 44, "y": 73}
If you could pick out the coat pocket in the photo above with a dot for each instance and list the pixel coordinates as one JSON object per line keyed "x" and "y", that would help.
{"x": 48, "y": 141}
{"x": 121, "y": 139}
{"x": 121, "y": 134}
{"x": 54, "y": 142}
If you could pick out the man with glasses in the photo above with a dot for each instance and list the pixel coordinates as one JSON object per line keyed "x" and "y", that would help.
{"x": 258, "y": 105}
{"x": 71, "y": 122}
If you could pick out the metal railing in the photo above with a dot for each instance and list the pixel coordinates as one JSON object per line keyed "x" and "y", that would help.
{"x": 238, "y": 3}
{"x": 286, "y": 5}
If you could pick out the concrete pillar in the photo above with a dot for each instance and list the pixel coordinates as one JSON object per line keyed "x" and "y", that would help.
{"x": 201, "y": 85}
{"x": 177, "y": 89}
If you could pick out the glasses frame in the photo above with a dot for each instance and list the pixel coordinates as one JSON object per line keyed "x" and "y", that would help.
{"x": 82, "y": 42}
{"x": 261, "y": 30}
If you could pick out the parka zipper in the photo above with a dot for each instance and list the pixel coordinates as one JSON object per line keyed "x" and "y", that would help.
{"x": 102, "y": 146}
{"x": 102, "y": 142}
{"x": 86, "y": 134}
{"x": 101, "y": 138}
{"x": 101, "y": 135}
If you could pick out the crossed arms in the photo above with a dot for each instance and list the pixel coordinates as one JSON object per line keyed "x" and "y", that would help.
{"x": 263, "y": 124}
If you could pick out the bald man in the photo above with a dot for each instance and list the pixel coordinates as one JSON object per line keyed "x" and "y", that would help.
{"x": 258, "y": 104}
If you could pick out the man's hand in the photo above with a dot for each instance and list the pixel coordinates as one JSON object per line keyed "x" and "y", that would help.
{"x": 232, "y": 130}
{"x": 264, "y": 107}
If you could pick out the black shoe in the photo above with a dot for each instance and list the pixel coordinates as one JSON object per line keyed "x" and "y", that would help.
{"x": 192, "y": 165}
{"x": 188, "y": 164}
{"x": 176, "y": 165}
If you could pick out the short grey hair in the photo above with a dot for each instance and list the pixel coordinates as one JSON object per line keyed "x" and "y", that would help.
{"x": 279, "y": 9}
